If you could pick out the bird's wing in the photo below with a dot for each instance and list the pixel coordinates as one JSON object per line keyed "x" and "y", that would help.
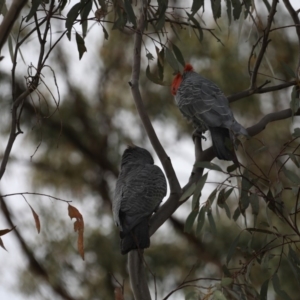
{"x": 142, "y": 189}
{"x": 201, "y": 99}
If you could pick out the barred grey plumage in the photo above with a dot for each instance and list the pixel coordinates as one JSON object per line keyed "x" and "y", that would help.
{"x": 140, "y": 188}
{"x": 202, "y": 102}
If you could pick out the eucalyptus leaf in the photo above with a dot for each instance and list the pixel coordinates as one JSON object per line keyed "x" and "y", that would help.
{"x": 232, "y": 248}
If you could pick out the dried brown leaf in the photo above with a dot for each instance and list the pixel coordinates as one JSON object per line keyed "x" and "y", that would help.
{"x": 74, "y": 212}
{"x": 119, "y": 293}
{"x": 78, "y": 227}
{"x": 36, "y": 219}
{"x": 2, "y": 245}
{"x": 5, "y": 231}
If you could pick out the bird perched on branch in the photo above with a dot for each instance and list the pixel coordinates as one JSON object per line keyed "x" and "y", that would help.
{"x": 140, "y": 188}
{"x": 202, "y": 102}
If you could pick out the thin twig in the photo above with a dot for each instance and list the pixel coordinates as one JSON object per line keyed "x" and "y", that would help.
{"x": 265, "y": 42}
{"x": 35, "y": 194}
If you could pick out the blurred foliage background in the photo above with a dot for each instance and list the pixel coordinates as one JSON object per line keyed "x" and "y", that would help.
{"x": 73, "y": 152}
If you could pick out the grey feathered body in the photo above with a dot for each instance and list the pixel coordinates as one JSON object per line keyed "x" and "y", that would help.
{"x": 202, "y": 102}
{"x": 140, "y": 188}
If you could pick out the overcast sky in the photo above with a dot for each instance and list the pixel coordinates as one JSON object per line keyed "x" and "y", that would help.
{"x": 15, "y": 179}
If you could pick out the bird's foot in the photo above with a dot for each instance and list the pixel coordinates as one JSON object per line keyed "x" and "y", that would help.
{"x": 198, "y": 134}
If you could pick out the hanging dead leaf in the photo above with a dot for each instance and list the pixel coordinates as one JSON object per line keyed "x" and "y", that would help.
{"x": 5, "y": 231}
{"x": 2, "y": 245}
{"x": 78, "y": 227}
{"x": 119, "y": 293}
{"x": 36, "y": 219}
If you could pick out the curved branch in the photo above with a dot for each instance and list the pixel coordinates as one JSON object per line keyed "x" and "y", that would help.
{"x": 134, "y": 84}
{"x": 260, "y": 90}
{"x": 271, "y": 117}
{"x": 136, "y": 268}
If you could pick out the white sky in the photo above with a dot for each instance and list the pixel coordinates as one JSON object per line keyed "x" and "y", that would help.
{"x": 16, "y": 177}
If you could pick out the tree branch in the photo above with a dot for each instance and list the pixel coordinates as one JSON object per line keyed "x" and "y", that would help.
{"x": 138, "y": 278}
{"x": 134, "y": 84}
{"x": 260, "y": 90}
{"x": 9, "y": 20}
{"x": 265, "y": 42}
{"x": 296, "y": 20}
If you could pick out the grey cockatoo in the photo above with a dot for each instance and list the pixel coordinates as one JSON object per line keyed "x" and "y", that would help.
{"x": 140, "y": 188}
{"x": 202, "y": 102}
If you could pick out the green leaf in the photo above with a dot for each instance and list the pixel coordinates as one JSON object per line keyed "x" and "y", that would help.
{"x": 216, "y": 8}
{"x": 149, "y": 56}
{"x": 293, "y": 177}
{"x": 71, "y": 17}
{"x": 10, "y": 48}
{"x": 105, "y": 33}
{"x": 3, "y": 10}
{"x": 225, "y": 281}
{"x": 178, "y": 55}
{"x": 226, "y": 271}
{"x": 295, "y": 102}
{"x": 175, "y": 31}
{"x": 2, "y": 3}
{"x": 296, "y": 132}
{"x": 227, "y": 210}
{"x": 228, "y": 10}
{"x": 170, "y": 58}
{"x": 211, "y": 221}
{"x": 263, "y": 295}
{"x": 236, "y": 213}
{"x": 208, "y": 165}
{"x": 188, "y": 192}
{"x": 198, "y": 189}
{"x": 254, "y": 202}
{"x": 80, "y": 45}
{"x": 231, "y": 168}
{"x": 267, "y": 4}
{"x": 294, "y": 159}
{"x": 86, "y": 8}
{"x": 153, "y": 78}
{"x": 130, "y": 13}
{"x": 191, "y": 296}
{"x": 276, "y": 285}
{"x": 121, "y": 20}
{"x": 218, "y": 295}
{"x": 160, "y": 62}
{"x": 246, "y": 184}
{"x": 294, "y": 262}
{"x": 237, "y": 9}
{"x": 162, "y": 7}
{"x": 196, "y": 23}
{"x": 220, "y": 199}
{"x": 289, "y": 70}
{"x": 190, "y": 221}
{"x": 248, "y": 4}
{"x": 197, "y": 4}
{"x": 265, "y": 261}
{"x": 34, "y": 7}
{"x": 211, "y": 198}
{"x": 200, "y": 220}
{"x": 62, "y": 4}
{"x": 232, "y": 248}
{"x": 268, "y": 212}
